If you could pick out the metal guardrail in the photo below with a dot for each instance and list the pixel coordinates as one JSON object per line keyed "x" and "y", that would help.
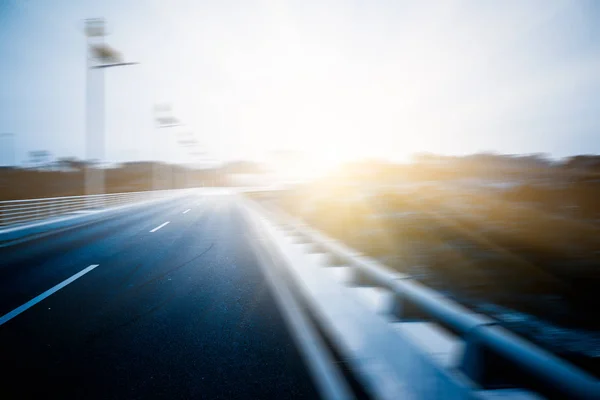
{"x": 15, "y": 212}
{"x": 493, "y": 358}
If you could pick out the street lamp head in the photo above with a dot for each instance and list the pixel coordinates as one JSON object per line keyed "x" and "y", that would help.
{"x": 121, "y": 64}
{"x": 165, "y": 122}
{"x": 106, "y": 54}
{"x": 95, "y": 27}
{"x": 162, "y": 108}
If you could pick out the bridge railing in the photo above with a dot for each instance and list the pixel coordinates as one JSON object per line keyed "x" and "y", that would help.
{"x": 15, "y": 212}
{"x": 493, "y": 356}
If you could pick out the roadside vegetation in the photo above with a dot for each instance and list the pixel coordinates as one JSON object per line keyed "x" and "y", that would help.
{"x": 526, "y": 252}
{"x": 66, "y": 177}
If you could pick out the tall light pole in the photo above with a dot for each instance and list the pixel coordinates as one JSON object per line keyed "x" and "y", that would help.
{"x": 98, "y": 56}
{"x": 199, "y": 157}
{"x": 11, "y": 149}
{"x": 163, "y": 119}
{"x": 191, "y": 144}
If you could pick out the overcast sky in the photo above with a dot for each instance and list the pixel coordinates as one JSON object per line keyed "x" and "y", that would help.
{"x": 336, "y": 79}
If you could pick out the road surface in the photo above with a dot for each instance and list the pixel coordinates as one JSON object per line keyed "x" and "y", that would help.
{"x": 167, "y": 301}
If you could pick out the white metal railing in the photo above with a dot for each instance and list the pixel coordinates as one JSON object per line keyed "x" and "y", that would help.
{"x": 15, "y": 212}
{"x": 491, "y": 352}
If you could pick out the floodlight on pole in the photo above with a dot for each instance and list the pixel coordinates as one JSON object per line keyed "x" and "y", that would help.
{"x": 122, "y": 64}
{"x": 95, "y": 27}
{"x": 164, "y": 119}
{"x": 188, "y": 144}
{"x": 98, "y": 56}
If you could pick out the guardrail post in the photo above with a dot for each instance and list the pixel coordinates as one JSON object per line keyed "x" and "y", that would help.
{"x": 403, "y": 309}
{"x": 360, "y": 278}
{"x": 484, "y": 366}
{"x": 335, "y": 260}
{"x": 472, "y": 363}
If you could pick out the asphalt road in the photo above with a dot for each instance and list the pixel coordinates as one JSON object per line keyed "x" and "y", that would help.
{"x": 180, "y": 312}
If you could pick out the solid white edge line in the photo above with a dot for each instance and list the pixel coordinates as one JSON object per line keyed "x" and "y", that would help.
{"x": 186, "y": 211}
{"x": 158, "y": 227}
{"x": 49, "y": 292}
{"x": 328, "y": 379}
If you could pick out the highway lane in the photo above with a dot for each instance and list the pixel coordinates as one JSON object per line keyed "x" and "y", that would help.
{"x": 31, "y": 267}
{"x": 180, "y": 312}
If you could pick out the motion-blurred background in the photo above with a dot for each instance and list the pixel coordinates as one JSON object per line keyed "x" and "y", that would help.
{"x": 453, "y": 140}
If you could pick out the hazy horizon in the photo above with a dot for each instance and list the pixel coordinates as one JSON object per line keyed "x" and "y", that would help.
{"x": 335, "y": 80}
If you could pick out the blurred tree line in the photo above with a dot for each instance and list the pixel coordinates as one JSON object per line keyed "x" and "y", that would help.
{"x": 66, "y": 177}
